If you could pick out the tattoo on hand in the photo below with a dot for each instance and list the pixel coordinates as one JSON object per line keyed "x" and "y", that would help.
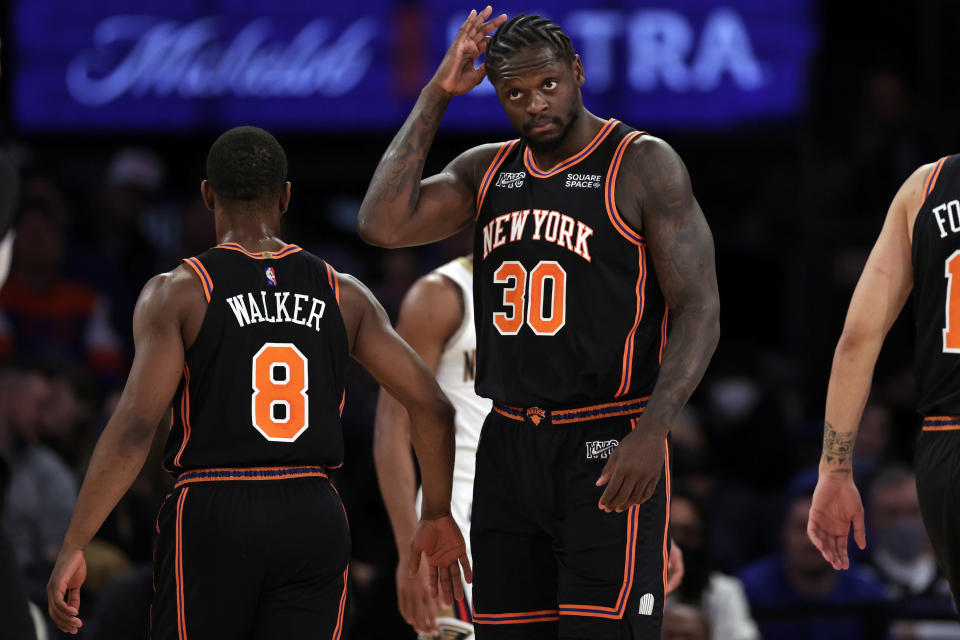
{"x": 837, "y": 446}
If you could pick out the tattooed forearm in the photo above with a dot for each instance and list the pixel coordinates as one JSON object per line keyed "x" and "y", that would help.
{"x": 838, "y": 448}
{"x": 394, "y": 189}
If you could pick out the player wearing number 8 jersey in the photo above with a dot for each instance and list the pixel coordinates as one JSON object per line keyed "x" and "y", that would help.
{"x": 250, "y": 340}
{"x": 918, "y": 249}
{"x": 585, "y": 232}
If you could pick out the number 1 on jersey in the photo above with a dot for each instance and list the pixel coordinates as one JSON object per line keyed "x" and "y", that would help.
{"x": 514, "y": 275}
{"x": 279, "y": 404}
{"x": 951, "y": 332}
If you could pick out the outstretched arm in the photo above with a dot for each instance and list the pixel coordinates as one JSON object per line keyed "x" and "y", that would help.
{"x": 400, "y": 208}
{"x": 376, "y": 346}
{"x": 881, "y": 292}
{"x": 125, "y": 442}
{"x": 681, "y": 249}
{"x": 430, "y": 314}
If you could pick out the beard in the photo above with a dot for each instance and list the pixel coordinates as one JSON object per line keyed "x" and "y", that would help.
{"x": 552, "y": 144}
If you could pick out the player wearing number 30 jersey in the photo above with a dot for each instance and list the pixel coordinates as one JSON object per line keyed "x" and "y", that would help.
{"x": 918, "y": 249}
{"x": 585, "y": 232}
{"x": 249, "y": 340}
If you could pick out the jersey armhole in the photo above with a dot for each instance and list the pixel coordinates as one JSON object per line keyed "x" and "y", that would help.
{"x": 334, "y": 281}
{"x": 205, "y": 280}
{"x": 609, "y": 192}
{"x": 498, "y": 159}
{"x": 932, "y": 179}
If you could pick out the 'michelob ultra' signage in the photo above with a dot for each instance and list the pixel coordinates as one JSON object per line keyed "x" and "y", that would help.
{"x": 182, "y": 65}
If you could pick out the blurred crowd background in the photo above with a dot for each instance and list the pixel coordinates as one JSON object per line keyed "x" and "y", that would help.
{"x": 795, "y": 201}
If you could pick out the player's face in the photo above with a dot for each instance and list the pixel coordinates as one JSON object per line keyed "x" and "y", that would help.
{"x": 541, "y": 95}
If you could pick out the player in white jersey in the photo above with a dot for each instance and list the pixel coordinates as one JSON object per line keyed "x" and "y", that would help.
{"x": 436, "y": 319}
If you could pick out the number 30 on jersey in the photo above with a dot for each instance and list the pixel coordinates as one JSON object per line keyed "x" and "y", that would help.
{"x": 545, "y": 319}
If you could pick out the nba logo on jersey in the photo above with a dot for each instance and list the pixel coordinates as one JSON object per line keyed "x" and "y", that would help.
{"x": 271, "y": 276}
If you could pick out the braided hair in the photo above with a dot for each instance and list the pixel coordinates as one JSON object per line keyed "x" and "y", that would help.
{"x": 523, "y": 31}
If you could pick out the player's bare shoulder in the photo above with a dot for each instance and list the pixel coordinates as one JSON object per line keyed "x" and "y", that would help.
{"x": 652, "y": 180}
{"x": 175, "y": 296}
{"x": 471, "y": 166}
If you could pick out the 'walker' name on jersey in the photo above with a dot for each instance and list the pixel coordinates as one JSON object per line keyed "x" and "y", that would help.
{"x": 544, "y": 225}
{"x": 275, "y": 307}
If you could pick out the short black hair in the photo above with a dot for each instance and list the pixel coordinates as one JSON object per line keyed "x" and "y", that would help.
{"x": 247, "y": 164}
{"x": 522, "y": 31}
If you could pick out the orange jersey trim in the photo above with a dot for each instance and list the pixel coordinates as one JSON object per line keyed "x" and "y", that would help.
{"x": 941, "y": 423}
{"x": 663, "y": 331}
{"x": 178, "y": 570}
{"x": 609, "y": 191}
{"x": 581, "y": 414}
{"x": 184, "y": 413}
{"x": 263, "y": 255}
{"x": 627, "y": 366}
{"x": 932, "y": 178}
{"x": 498, "y": 159}
{"x": 522, "y": 617}
{"x": 246, "y": 474}
{"x": 205, "y": 278}
{"x": 666, "y": 523}
{"x": 536, "y": 172}
{"x": 334, "y": 281}
{"x": 343, "y": 402}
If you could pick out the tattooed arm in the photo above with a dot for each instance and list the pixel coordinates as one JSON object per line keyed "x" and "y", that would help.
{"x": 884, "y": 286}
{"x": 400, "y": 208}
{"x": 654, "y": 196}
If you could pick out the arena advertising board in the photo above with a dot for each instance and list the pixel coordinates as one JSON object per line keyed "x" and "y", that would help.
{"x": 185, "y": 65}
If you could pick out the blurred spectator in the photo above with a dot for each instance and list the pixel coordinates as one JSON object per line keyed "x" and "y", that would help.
{"x": 685, "y": 622}
{"x": 718, "y": 596}
{"x": 41, "y": 489}
{"x": 47, "y": 317}
{"x": 873, "y": 440}
{"x": 787, "y": 590}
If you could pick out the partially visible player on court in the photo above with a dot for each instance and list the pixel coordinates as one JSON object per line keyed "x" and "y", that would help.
{"x": 918, "y": 250}
{"x": 436, "y": 320}
{"x": 586, "y": 232}
{"x": 250, "y": 340}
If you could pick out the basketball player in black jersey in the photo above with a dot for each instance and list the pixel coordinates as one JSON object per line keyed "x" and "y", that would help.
{"x": 250, "y": 339}
{"x": 918, "y": 250}
{"x": 586, "y": 233}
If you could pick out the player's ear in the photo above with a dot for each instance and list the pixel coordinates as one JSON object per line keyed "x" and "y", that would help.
{"x": 285, "y": 197}
{"x": 578, "y": 74}
{"x": 206, "y": 192}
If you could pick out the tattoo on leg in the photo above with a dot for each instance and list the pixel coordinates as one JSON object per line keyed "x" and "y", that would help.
{"x": 837, "y": 446}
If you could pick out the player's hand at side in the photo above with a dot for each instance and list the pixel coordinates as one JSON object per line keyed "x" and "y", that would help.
{"x": 418, "y": 606}
{"x": 633, "y": 470}
{"x": 63, "y": 589}
{"x": 675, "y": 568}
{"x": 457, "y": 74}
{"x": 440, "y": 541}
{"x": 836, "y": 505}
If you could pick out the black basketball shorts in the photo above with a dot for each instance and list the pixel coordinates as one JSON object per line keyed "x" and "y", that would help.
{"x": 251, "y": 553}
{"x": 937, "y": 460}
{"x": 548, "y": 562}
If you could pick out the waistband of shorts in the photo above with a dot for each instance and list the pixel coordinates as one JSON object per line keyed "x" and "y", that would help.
{"x": 536, "y": 415}
{"x": 941, "y": 423}
{"x": 248, "y": 474}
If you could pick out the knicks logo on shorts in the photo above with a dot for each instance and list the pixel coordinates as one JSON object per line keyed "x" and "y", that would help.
{"x": 600, "y": 449}
{"x": 509, "y": 180}
{"x": 536, "y": 414}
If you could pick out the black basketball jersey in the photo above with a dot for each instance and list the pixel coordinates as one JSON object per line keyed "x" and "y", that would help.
{"x": 936, "y": 284}
{"x": 263, "y": 382}
{"x": 568, "y": 308}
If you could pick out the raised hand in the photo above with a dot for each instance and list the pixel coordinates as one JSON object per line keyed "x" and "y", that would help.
{"x": 457, "y": 74}
{"x": 836, "y": 505}
{"x": 63, "y": 589}
{"x": 633, "y": 470}
{"x": 441, "y": 542}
